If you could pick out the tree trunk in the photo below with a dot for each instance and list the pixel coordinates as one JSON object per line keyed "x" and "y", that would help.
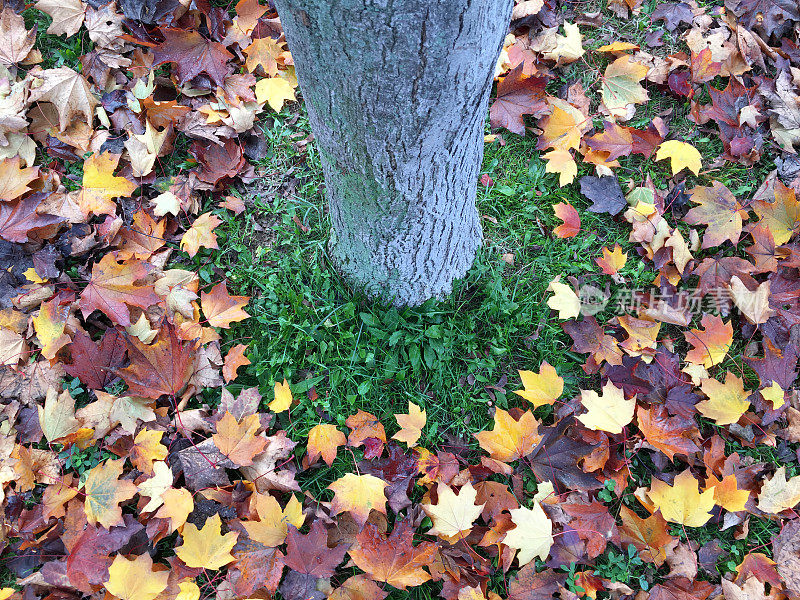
{"x": 396, "y": 91}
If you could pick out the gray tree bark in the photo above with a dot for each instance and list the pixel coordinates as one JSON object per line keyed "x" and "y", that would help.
{"x": 396, "y": 92}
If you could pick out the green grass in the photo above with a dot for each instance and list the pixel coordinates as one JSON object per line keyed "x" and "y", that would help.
{"x": 311, "y": 329}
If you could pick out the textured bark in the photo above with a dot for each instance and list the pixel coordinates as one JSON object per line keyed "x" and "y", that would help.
{"x": 396, "y": 92}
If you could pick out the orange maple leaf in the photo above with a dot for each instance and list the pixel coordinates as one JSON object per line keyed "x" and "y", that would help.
{"x": 510, "y": 439}
{"x": 15, "y": 180}
{"x": 220, "y": 308}
{"x": 710, "y": 344}
{"x": 237, "y": 439}
{"x": 324, "y": 440}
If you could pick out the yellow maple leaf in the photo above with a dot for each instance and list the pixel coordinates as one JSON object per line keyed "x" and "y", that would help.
{"x": 567, "y": 48}
{"x": 774, "y": 394}
{"x": 147, "y": 448}
{"x": 207, "y": 548}
{"x": 134, "y": 579}
{"x": 610, "y": 412}
{"x": 533, "y": 534}
{"x": 263, "y": 52}
{"x": 155, "y": 486}
{"x": 510, "y": 439}
{"x": 564, "y": 300}
{"x": 283, "y": 397}
{"x": 188, "y": 590}
{"x": 621, "y": 88}
{"x": 543, "y": 387}
{"x": 57, "y": 416}
{"x": 781, "y": 217}
{"x": 272, "y": 525}
{"x": 727, "y": 493}
{"x": 563, "y": 128}
{"x": 201, "y": 234}
{"x": 275, "y": 91}
{"x": 101, "y": 186}
{"x": 778, "y": 493}
{"x": 561, "y": 162}
{"x": 104, "y": 491}
{"x": 681, "y": 155}
{"x": 455, "y": 513}
{"x": 682, "y": 502}
{"x": 324, "y": 440}
{"x": 411, "y": 425}
{"x": 32, "y": 276}
{"x": 358, "y": 495}
{"x": 178, "y": 505}
{"x": 727, "y": 402}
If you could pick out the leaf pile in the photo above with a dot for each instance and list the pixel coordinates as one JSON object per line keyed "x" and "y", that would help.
{"x": 148, "y": 492}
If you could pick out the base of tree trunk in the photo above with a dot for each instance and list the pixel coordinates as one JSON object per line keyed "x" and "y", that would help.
{"x": 396, "y": 94}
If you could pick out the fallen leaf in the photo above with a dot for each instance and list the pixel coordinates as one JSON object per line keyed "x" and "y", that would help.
{"x": 393, "y": 559}
{"x": 710, "y": 344}
{"x": 237, "y": 440}
{"x": 134, "y": 579}
{"x": 310, "y": 554}
{"x": 324, "y": 440}
{"x": 544, "y": 387}
{"x": 206, "y": 547}
{"x": 621, "y": 87}
{"x": 612, "y": 260}
{"x": 283, "y": 397}
{"x": 564, "y": 300}
{"x": 605, "y": 194}
{"x": 201, "y": 234}
{"x": 610, "y": 412}
{"x": 778, "y": 493}
{"x": 727, "y": 493}
{"x": 411, "y": 425}
{"x": 454, "y": 513}
{"x": 517, "y": 95}
{"x": 532, "y": 534}
{"x": 105, "y": 491}
{"x": 649, "y": 536}
{"x": 68, "y": 91}
{"x": 682, "y": 502}
{"x": 572, "y": 222}
{"x": 727, "y": 402}
{"x": 719, "y": 210}
{"x": 220, "y": 308}
{"x": 510, "y": 439}
{"x": 192, "y": 54}
{"x": 275, "y": 91}
{"x": 358, "y": 495}
{"x": 271, "y": 528}
{"x": 234, "y": 359}
{"x": 113, "y": 288}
